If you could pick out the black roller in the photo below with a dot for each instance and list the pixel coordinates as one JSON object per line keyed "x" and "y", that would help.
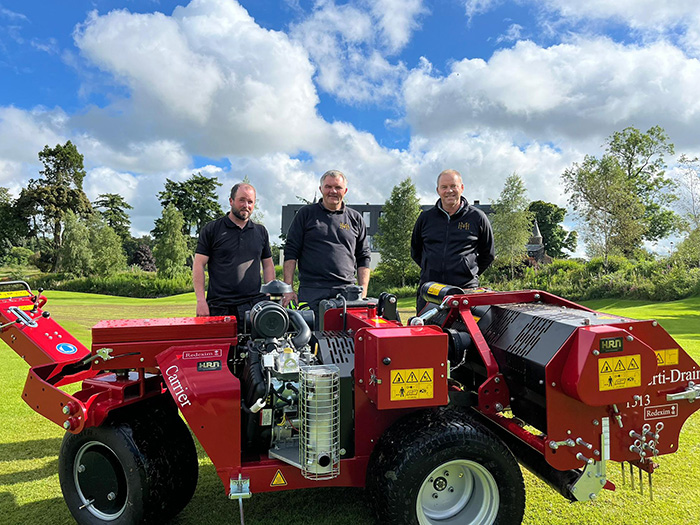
{"x": 434, "y": 292}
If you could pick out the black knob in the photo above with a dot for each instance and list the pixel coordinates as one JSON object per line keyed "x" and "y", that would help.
{"x": 386, "y": 361}
{"x": 45, "y": 314}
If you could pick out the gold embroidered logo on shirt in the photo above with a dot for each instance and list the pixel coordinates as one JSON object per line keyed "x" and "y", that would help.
{"x": 463, "y": 226}
{"x": 344, "y": 226}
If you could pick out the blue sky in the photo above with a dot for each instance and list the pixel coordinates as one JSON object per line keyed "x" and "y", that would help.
{"x": 283, "y": 90}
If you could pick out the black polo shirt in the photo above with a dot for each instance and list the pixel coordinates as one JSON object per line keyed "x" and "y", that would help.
{"x": 235, "y": 256}
{"x": 328, "y": 245}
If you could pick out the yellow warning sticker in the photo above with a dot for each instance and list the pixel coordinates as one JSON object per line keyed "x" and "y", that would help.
{"x": 16, "y": 293}
{"x": 667, "y": 357}
{"x": 435, "y": 288}
{"x": 278, "y": 480}
{"x": 411, "y": 383}
{"x": 615, "y": 373}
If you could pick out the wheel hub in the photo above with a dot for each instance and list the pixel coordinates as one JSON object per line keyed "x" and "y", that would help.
{"x": 458, "y": 492}
{"x": 100, "y": 481}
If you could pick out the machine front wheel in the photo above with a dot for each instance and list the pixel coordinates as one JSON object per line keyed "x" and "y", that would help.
{"x": 138, "y": 468}
{"x": 443, "y": 468}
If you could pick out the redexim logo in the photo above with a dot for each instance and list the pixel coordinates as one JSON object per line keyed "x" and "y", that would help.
{"x": 66, "y": 348}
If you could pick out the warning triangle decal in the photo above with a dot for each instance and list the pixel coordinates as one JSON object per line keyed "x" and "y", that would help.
{"x": 606, "y": 368}
{"x": 398, "y": 379}
{"x": 278, "y": 480}
{"x": 659, "y": 358}
{"x": 425, "y": 378}
{"x": 412, "y": 378}
{"x": 633, "y": 365}
{"x": 619, "y": 367}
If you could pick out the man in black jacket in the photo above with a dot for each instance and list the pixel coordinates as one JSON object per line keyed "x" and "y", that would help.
{"x": 452, "y": 242}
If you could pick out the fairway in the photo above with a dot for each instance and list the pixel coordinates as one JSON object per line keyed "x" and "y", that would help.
{"x": 29, "y": 444}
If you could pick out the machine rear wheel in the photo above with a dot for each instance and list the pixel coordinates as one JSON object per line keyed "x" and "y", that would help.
{"x": 141, "y": 467}
{"x": 443, "y": 468}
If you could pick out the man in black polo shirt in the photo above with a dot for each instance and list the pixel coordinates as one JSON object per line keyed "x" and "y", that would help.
{"x": 452, "y": 242}
{"x": 233, "y": 247}
{"x": 329, "y": 240}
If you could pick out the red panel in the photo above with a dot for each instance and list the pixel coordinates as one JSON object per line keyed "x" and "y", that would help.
{"x": 262, "y": 473}
{"x": 209, "y": 399}
{"x": 168, "y": 329}
{"x": 46, "y": 343}
{"x": 406, "y": 350}
{"x": 583, "y": 373}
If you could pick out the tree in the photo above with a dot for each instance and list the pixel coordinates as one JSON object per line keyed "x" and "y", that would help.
{"x": 636, "y": 191}
{"x": 114, "y": 212}
{"x": 171, "y": 249}
{"x": 75, "y": 255}
{"x": 46, "y": 200}
{"x": 143, "y": 258}
{"x": 195, "y": 198}
{"x": 512, "y": 222}
{"x": 555, "y": 238}
{"x": 393, "y": 238}
{"x": 689, "y": 186}
{"x": 641, "y": 156}
{"x": 13, "y": 228}
{"x": 108, "y": 254}
{"x": 612, "y": 214}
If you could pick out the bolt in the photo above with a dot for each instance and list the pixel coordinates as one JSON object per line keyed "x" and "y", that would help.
{"x": 630, "y": 338}
{"x": 66, "y": 410}
{"x": 498, "y": 380}
{"x": 553, "y": 383}
{"x": 359, "y": 338}
{"x": 111, "y": 496}
{"x": 498, "y": 407}
{"x": 537, "y": 297}
{"x": 592, "y": 496}
{"x": 66, "y": 424}
{"x": 596, "y": 422}
{"x": 392, "y": 300}
{"x": 81, "y": 468}
{"x": 602, "y": 481}
{"x": 360, "y": 381}
{"x": 455, "y": 303}
{"x": 141, "y": 359}
{"x": 595, "y": 352}
{"x": 465, "y": 302}
{"x": 654, "y": 323}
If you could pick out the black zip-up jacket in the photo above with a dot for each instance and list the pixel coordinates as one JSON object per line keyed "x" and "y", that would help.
{"x": 452, "y": 249}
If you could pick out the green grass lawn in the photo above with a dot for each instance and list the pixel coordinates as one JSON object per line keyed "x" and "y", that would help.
{"x": 30, "y": 493}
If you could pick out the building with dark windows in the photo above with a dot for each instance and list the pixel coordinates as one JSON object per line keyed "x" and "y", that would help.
{"x": 370, "y": 213}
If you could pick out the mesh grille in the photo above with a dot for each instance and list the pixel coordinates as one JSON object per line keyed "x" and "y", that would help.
{"x": 319, "y": 410}
{"x": 341, "y": 349}
{"x": 529, "y": 336}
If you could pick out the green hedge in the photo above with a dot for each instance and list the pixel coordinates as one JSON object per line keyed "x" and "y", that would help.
{"x": 136, "y": 283}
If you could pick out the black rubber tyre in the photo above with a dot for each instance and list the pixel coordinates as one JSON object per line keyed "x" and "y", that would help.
{"x": 443, "y": 467}
{"x": 139, "y": 467}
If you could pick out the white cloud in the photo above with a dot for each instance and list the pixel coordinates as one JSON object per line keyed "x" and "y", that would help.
{"x": 584, "y": 89}
{"x": 351, "y": 46}
{"x": 106, "y": 180}
{"x": 208, "y": 77}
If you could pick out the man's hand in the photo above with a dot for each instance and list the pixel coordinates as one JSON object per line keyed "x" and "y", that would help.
{"x": 202, "y": 309}
{"x": 288, "y": 298}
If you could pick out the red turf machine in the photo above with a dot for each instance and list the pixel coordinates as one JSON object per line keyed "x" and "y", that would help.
{"x": 432, "y": 417}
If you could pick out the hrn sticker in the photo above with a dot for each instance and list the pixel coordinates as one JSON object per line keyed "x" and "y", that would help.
{"x": 278, "y": 480}
{"x": 411, "y": 383}
{"x": 615, "y": 373}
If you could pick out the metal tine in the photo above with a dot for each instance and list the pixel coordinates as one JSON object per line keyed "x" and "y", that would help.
{"x": 631, "y": 476}
{"x": 623, "y": 472}
{"x": 641, "y": 483}
{"x": 651, "y": 490}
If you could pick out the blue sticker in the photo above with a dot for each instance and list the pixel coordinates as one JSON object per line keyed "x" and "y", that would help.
{"x": 66, "y": 348}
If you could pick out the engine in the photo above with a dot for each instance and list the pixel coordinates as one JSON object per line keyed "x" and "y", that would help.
{"x": 290, "y": 399}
